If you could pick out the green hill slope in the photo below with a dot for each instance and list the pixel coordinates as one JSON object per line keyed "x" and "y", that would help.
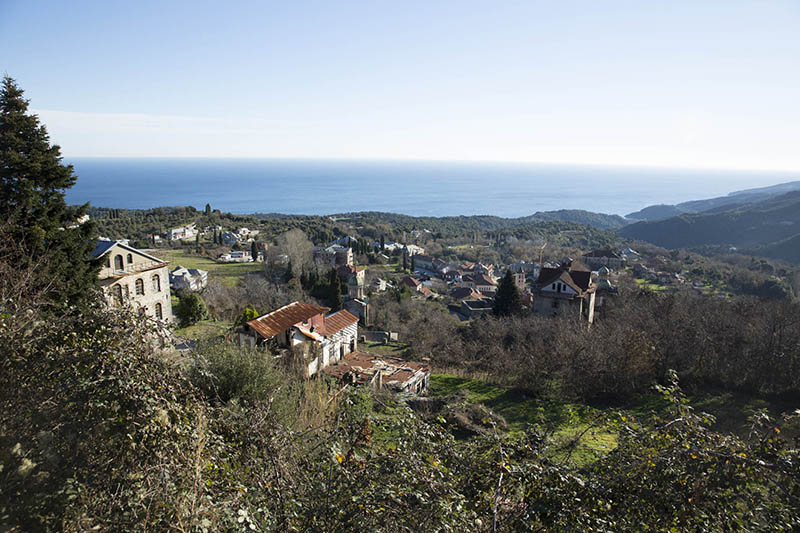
{"x": 751, "y": 225}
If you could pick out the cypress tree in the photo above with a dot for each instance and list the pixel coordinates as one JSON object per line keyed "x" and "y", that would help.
{"x": 290, "y": 273}
{"x": 507, "y": 301}
{"x": 38, "y": 220}
{"x": 334, "y": 291}
{"x": 405, "y": 262}
{"x": 413, "y": 264}
{"x": 383, "y": 243}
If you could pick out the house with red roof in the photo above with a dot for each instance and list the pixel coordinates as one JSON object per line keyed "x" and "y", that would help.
{"x": 480, "y": 281}
{"x": 322, "y": 338}
{"x": 567, "y": 289}
{"x": 413, "y": 284}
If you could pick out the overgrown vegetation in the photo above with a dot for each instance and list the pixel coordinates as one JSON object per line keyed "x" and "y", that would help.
{"x": 99, "y": 431}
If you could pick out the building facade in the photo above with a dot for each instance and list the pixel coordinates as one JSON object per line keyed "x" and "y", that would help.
{"x": 320, "y": 338}
{"x": 132, "y": 277}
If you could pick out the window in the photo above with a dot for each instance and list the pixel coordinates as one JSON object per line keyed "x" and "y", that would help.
{"x": 156, "y": 283}
{"x": 118, "y": 262}
{"x": 142, "y": 311}
{"x": 108, "y": 262}
{"x": 116, "y": 291}
{"x": 159, "y": 315}
{"x": 130, "y": 258}
{"x": 140, "y": 286}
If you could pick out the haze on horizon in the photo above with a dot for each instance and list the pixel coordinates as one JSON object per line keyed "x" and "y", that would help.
{"x": 679, "y": 84}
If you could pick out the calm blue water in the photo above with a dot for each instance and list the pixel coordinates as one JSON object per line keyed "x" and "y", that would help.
{"x": 319, "y": 187}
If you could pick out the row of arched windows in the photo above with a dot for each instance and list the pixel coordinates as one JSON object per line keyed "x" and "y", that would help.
{"x": 117, "y": 293}
{"x": 119, "y": 263}
{"x": 117, "y": 290}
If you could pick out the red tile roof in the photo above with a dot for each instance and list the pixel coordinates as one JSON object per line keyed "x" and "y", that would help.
{"x": 284, "y": 318}
{"x": 410, "y": 282}
{"x": 460, "y": 293}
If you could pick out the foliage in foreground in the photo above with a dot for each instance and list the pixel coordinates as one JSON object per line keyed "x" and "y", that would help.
{"x": 97, "y": 431}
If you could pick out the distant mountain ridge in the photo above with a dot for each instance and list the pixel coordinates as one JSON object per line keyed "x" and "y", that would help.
{"x": 747, "y": 196}
{"x": 768, "y": 227}
{"x": 490, "y": 222}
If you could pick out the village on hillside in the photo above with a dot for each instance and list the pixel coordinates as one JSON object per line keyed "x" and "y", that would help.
{"x": 333, "y": 328}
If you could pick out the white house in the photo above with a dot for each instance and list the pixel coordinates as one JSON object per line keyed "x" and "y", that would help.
{"x": 192, "y": 279}
{"x": 322, "y": 338}
{"x": 182, "y": 233}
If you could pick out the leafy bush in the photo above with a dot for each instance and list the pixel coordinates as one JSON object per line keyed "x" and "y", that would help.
{"x": 191, "y": 309}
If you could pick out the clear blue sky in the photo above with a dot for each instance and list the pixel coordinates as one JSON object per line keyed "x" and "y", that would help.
{"x": 679, "y": 83}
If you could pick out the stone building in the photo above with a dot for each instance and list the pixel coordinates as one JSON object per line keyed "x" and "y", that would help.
{"x": 607, "y": 258}
{"x": 132, "y": 277}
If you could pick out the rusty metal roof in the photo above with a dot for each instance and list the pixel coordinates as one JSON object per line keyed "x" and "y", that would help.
{"x": 284, "y": 318}
{"x": 361, "y": 366}
{"x": 337, "y": 322}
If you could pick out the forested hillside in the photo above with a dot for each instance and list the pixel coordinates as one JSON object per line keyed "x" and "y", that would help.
{"x": 748, "y": 196}
{"x": 760, "y": 224}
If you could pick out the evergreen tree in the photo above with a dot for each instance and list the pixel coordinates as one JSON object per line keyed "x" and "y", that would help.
{"x": 413, "y": 264}
{"x": 507, "y": 301}
{"x": 290, "y": 273}
{"x": 33, "y": 208}
{"x": 334, "y": 291}
{"x": 383, "y": 243}
{"x": 405, "y": 262}
{"x": 254, "y": 251}
{"x": 191, "y": 309}
{"x": 208, "y": 210}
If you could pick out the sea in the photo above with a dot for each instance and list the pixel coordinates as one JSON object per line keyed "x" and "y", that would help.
{"x": 418, "y": 188}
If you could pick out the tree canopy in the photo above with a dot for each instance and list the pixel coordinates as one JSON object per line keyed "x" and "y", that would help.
{"x": 47, "y": 232}
{"x": 508, "y": 300}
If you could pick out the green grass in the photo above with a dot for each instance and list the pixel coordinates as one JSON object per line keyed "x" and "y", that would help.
{"x": 393, "y": 349}
{"x": 227, "y": 273}
{"x": 520, "y": 411}
{"x": 644, "y": 284}
{"x": 203, "y": 330}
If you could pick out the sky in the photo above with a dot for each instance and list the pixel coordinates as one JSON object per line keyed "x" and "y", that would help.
{"x": 711, "y": 84}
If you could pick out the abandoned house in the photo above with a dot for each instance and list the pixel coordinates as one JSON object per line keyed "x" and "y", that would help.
{"x": 321, "y": 338}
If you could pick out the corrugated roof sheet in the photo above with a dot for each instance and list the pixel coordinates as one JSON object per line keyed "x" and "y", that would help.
{"x": 282, "y": 319}
{"x": 337, "y": 322}
{"x": 361, "y": 366}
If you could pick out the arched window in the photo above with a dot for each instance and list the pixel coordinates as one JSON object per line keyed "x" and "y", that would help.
{"x": 116, "y": 291}
{"x": 130, "y": 258}
{"x": 140, "y": 286}
{"x": 156, "y": 283}
{"x": 118, "y": 262}
{"x": 159, "y": 315}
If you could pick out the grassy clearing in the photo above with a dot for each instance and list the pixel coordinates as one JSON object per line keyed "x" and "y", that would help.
{"x": 519, "y": 410}
{"x": 644, "y": 284}
{"x": 227, "y": 273}
{"x": 387, "y": 270}
{"x": 203, "y": 330}
{"x": 392, "y": 349}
